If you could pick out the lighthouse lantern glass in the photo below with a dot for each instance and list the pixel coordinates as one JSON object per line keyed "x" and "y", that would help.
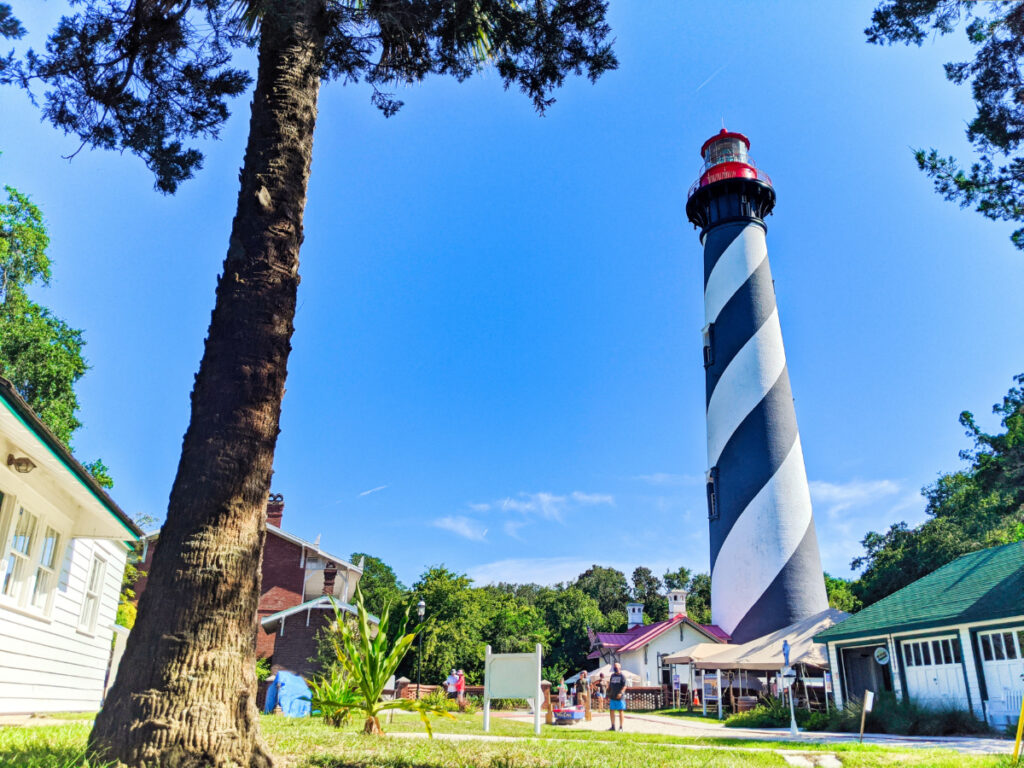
{"x": 730, "y": 149}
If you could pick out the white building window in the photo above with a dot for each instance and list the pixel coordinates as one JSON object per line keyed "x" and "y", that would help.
{"x": 712, "y": 489}
{"x": 19, "y": 547}
{"x": 1002, "y": 646}
{"x": 31, "y": 551}
{"x": 927, "y": 653}
{"x": 708, "y": 335}
{"x": 46, "y": 571}
{"x": 93, "y": 590}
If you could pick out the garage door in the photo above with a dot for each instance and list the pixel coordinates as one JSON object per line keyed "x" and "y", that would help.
{"x": 1001, "y": 660}
{"x": 935, "y": 675}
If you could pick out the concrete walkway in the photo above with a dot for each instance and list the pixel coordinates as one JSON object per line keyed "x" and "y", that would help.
{"x": 684, "y": 727}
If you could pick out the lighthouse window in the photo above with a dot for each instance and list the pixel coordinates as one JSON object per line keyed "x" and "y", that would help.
{"x": 709, "y": 338}
{"x": 713, "y": 493}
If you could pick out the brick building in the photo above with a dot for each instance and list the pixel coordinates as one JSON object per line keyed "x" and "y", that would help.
{"x": 297, "y": 579}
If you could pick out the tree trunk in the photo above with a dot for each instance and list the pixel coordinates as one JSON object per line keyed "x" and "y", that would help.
{"x": 185, "y": 693}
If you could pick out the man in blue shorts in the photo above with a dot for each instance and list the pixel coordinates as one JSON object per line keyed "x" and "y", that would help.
{"x": 616, "y": 694}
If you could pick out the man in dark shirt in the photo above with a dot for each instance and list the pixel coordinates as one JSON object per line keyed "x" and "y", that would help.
{"x": 616, "y": 694}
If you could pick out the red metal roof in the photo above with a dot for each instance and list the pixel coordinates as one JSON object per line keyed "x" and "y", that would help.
{"x": 653, "y": 630}
{"x": 724, "y": 134}
{"x": 619, "y": 638}
{"x": 717, "y": 631}
{"x": 638, "y": 637}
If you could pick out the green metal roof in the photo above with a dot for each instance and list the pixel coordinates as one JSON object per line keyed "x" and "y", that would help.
{"x": 980, "y": 586}
{"x": 16, "y": 404}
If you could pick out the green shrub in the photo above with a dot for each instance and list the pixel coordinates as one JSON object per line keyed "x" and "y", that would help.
{"x": 438, "y": 699}
{"x": 774, "y": 713}
{"x": 334, "y": 696}
{"x": 505, "y": 704}
{"x": 907, "y": 717}
{"x": 262, "y": 669}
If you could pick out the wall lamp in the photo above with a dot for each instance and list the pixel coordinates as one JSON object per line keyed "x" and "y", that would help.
{"x": 21, "y": 464}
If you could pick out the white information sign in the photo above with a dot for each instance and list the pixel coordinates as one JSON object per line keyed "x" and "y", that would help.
{"x": 512, "y": 676}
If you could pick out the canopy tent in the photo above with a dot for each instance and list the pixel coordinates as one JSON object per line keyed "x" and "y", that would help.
{"x": 695, "y": 652}
{"x": 766, "y": 653}
{"x": 631, "y": 679}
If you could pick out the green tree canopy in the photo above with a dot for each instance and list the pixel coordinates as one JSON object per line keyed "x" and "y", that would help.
{"x": 607, "y": 586}
{"x": 568, "y": 613}
{"x": 994, "y": 183}
{"x": 379, "y": 585}
{"x": 841, "y": 595}
{"x": 454, "y": 630}
{"x": 977, "y": 507}
{"x": 647, "y": 589}
{"x": 40, "y": 353}
{"x": 698, "y": 601}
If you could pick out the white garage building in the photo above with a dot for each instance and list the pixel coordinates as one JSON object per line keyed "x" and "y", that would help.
{"x": 954, "y": 637}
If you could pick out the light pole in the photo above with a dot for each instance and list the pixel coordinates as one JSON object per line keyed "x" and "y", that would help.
{"x": 421, "y": 609}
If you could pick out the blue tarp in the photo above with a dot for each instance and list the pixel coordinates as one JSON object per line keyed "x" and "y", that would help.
{"x": 291, "y": 692}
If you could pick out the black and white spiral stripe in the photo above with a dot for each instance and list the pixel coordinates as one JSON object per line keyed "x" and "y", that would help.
{"x": 766, "y": 569}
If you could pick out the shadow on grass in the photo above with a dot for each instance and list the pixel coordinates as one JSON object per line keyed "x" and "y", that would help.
{"x": 48, "y": 746}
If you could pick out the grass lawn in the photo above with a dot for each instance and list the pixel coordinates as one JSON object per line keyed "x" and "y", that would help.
{"x": 311, "y": 744}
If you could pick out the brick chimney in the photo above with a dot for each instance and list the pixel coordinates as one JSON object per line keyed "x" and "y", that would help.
{"x": 677, "y": 603}
{"x": 634, "y": 615}
{"x": 330, "y": 571}
{"x": 275, "y": 509}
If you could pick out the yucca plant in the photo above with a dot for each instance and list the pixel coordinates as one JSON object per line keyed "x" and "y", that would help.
{"x": 368, "y": 661}
{"x": 334, "y": 696}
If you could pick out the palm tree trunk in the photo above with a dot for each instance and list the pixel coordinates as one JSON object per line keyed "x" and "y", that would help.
{"x": 185, "y": 692}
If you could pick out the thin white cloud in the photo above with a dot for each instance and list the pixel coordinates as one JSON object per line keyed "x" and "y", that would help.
{"x": 511, "y": 528}
{"x": 854, "y": 493}
{"x": 462, "y": 526}
{"x": 711, "y": 77}
{"x": 518, "y": 505}
{"x": 479, "y": 507}
{"x": 373, "y": 490}
{"x": 593, "y": 498}
{"x": 846, "y": 511}
{"x": 552, "y": 570}
{"x": 665, "y": 478}
{"x": 547, "y": 505}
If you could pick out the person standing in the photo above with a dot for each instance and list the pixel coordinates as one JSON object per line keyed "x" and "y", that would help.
{"x": 460, "y": 688}
{"x": 449, "y": 684}
{"x": 582, "y": 687}
{"x": 600, "y": 690}
{"x": 616, "y": 695}
{"x": 563, "y": 694}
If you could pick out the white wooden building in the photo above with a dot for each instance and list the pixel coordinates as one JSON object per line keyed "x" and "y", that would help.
{"x": 63, "y": 544}
{"x": 642, "y": 648}
{"x": 952, "y": 638}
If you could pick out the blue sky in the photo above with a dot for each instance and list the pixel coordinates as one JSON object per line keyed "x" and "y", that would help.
{"x": 497, "y": 361}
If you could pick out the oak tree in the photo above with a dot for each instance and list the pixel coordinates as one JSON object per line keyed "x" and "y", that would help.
{"x": 994, "y": 182}
{"x": 978, "y": 506}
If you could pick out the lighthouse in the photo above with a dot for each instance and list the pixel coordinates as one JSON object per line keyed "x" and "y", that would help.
{"x": 765, "y": 565}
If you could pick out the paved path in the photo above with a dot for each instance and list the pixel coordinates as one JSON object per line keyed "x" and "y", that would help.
{"x": 688, "y": 728}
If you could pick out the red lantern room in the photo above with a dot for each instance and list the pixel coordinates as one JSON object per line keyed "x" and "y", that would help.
{"x": 730, "y": 185}
{"x": 727, "y": 156}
